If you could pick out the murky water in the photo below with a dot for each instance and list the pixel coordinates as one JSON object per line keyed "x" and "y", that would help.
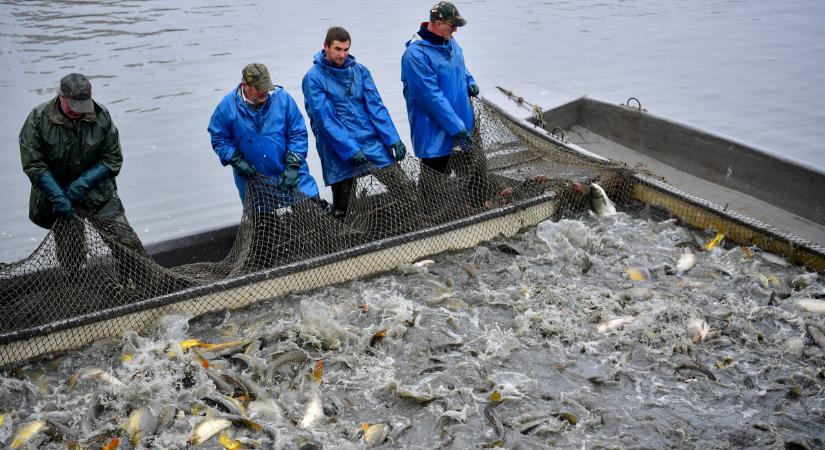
{"x": 748, "y": 69}
{"x": 592, "y": 333}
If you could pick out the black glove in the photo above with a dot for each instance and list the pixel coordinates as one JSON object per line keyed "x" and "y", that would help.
{"x": 61, "y": 205}
{"x": 77, "y": 189}
{"x": 290, "y": 176}
{"x": 359, "y": 159}
{"x": 399, "y": 149}
{"x": 463, "y": 140}
{"x": 241, "y": 165}
{"x": 472, "y": 90}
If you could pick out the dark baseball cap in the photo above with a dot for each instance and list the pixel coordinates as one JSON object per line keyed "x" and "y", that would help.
{"x": 447, "y": 12}
{"x": 257, "y": 76}
{"x": 77, "y": 90}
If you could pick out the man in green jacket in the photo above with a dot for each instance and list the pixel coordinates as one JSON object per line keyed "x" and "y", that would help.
{"x": 70, "y": 151}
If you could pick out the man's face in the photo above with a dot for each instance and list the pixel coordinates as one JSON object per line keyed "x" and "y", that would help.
{"x": 253, "y": 95}
{"x": 445, "y": 29}
{"x": 64, "y": 105}
{"x": 337, "y": 52}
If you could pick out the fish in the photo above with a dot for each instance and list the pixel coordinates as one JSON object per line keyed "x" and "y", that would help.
{"x": 636, "y": 274}
{"x": 696, "y": 368}
{"x": 424, "y": 263}
{"x": 208, "y": 427}
{"x": 600, "y": 203}
{"x": 707, "y": 246}
{"x": 811, "y": 305}
{"x": 114, "y": 444}
{"x": 229, "y": 443}
{"x": 614, "y": 324}
{"x": 318, "y": 371}
{"x": 699, "y": 328}
{"x": 471, "y": 270}
{"x": 142, "y": 422}
{"x": 663, "y": 225}
{"x": 686, "y": 261}
{"x": 313, "y": 411}
{"x": 378, "y": 337}
{"x": 219, "y": 380}
{"x": 26, "y": 433}
{"x": 2, "y": 418}
{"x": 773, "y": 259}
{"x": 232, "y": 405}
{"x": 100, "y": 375}
{"x": 420, "y": 397}
{"x": 375, "y": 434}
{"x": 816, "y": 335}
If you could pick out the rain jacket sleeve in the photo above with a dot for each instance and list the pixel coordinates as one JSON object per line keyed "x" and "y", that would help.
{"x": 322, "y": 110}
{"x": 296, "y": 140}
{"x": 424, "y": 88}
{"x": 112, "y": 155}
{"x": 31, "y": 149}
{"x": 470, "y": 80}
{"x": 379, "y": 116}
{"x": 221, "y": 133}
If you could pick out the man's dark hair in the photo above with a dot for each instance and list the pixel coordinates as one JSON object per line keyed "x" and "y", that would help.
{"x": 336, "y": 34}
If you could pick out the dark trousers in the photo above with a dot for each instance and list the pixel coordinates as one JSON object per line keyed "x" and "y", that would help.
{"x": 470, "y": 166}
{"x": 394, "y": 178}
{"x": 116, "y": 233}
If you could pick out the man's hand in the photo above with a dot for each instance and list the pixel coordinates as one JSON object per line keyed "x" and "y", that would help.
{"x": 79, "y": 188}
{"x": 359, "y": 159}
{"x": 472, "y": 90}
{"x": 463, "y": 140}
{"x": 290, "y": 176}
{"x": 61, "y": 205}
{"x": 243, "y": 167}
{"x": 399, "y": 150}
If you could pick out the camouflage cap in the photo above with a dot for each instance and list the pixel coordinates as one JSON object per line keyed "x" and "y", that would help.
{"x": 257, "y": 76}
{"x": 447, "y": 12}
{"x": 77, "y": 90}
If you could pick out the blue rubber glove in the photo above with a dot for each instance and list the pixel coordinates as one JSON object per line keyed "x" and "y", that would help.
{"x": 473, "y": 90}
{"x": 359, "y": 159}
{"x": 463, "y": 140}
{"x": 61, "y": 205}
{"x": 241, "y": 165}
{"x": 399, "y": 149}
{"x": 77, "y": 189}
{"x": 290, "y": 176}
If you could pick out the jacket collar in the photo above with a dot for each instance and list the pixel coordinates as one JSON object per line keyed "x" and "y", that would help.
{"x": 56, "y": 115}
{"x": 320, "y": 59}
{"x": 242, "y": 104}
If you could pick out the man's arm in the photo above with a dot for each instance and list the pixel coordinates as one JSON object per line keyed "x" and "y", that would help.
{"x": 221, "y": 135}
{"x": 296, "y": 137}
{"x": 428, "y": 96}
{"x": 379, "y": 116}
{"x": 322, "y": 111}
{"x": 31, "y": 149}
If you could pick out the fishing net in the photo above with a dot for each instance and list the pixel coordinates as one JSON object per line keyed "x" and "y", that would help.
{"x": 89, "y": 278}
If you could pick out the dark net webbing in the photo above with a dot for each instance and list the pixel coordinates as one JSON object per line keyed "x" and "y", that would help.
{"x": 86, "y": 265}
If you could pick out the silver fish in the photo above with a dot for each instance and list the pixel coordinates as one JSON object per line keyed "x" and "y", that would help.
{"x": 600, "y": 203}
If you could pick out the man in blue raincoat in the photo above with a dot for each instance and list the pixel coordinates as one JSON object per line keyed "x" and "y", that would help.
{"x": 257, "y": 128}
{"x": 353, "y": 129}
{"x": 437, "y": 89}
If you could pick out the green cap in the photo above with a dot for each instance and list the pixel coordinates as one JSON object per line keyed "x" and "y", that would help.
{"x": 257, "y": 76}
{"x": 77, "y": 90}
{"x": 447, "y": 12}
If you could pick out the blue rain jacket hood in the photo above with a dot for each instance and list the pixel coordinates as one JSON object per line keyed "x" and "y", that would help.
{"x": 262, "y": 136}
{"x": 435, "y": 83}
{"x": 346, "y": 115}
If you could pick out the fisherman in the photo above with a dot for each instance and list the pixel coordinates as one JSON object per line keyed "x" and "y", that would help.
{"x": 352, "y": 127}
{"x": 71, "y": 152}
{"x": 437, "y": 88}
{"x": 258, "y": 130}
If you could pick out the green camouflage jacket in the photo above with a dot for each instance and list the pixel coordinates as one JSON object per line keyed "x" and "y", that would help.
{"x": 67, "y": 148}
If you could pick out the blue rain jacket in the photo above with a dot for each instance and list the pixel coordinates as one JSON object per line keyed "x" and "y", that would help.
{"x": 435, "y": 87}
{"x": 346, "y": 115}
{"x": 263, "y": 136}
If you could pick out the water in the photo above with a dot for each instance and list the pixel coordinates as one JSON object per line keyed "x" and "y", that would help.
{"x": 505, "y": 332}
{"x": 748, "y": 69}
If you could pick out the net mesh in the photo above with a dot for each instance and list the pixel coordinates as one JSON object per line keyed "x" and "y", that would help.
{"x": 87, "y": 265}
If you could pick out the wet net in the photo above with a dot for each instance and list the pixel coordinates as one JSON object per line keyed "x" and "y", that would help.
{"x": 90, "y": 279}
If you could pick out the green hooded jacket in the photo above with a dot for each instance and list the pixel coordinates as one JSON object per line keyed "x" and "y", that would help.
{"x": 51, "y": 141}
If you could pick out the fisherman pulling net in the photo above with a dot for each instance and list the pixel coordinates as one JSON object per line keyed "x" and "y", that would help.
{"x": 86, "y": 264}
